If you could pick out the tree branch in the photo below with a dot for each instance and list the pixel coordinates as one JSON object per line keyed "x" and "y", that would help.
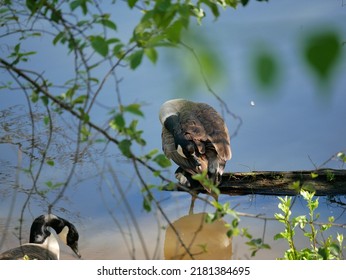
{"x": 325, "y": 182}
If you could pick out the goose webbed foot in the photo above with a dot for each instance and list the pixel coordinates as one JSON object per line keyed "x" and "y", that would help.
{"x": 182, "y": 177}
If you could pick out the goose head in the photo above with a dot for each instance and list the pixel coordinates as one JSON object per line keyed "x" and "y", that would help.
{"x": 67, "y": 232}
{"x": 43, "y": 244}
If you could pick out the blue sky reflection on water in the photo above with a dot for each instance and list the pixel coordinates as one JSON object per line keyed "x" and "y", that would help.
{"x": 290, "y": 129}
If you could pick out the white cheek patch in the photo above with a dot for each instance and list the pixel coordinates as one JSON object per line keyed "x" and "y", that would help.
{"x": 63, "y": 234}
{"x": 180, "y": 151}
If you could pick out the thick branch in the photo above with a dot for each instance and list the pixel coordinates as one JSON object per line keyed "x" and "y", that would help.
{"x": 323, "y": 181}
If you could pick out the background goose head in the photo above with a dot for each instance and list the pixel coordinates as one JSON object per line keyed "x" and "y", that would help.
{"x": 196, "y": 138}
{"x": 43, "y": 244}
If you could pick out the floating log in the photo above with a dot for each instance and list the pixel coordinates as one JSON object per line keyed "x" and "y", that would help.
{"x": 325, "y": 182}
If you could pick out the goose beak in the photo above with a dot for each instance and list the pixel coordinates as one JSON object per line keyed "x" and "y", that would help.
{"x": 74, "y": 248}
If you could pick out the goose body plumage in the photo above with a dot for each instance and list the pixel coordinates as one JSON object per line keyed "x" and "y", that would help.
{"x": 196, "y": 138}
{"x": 43, "y": 245}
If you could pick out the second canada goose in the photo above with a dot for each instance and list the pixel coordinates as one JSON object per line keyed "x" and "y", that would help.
{"x": 43, "y": 245}
{"x": 196, "y": 138}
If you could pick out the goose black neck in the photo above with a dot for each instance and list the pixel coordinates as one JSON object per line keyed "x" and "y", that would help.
{"x": 172, "y": 124}
{"x": 39, "y": 228}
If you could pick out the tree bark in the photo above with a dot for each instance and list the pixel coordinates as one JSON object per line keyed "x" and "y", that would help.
{"x": 325, "y": 182}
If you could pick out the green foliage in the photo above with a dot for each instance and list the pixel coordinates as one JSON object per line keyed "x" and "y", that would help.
{"x": 341, "y": 156}
{"x": 18, "y": 55}
{"x": 245, "y": 2}
{"x": 266, "y": 68}
{"x": 255, "y": 244}
{"x": 206, "y": 182}
{"x": 322, "y": 52}
{"x": 100, "y": 45}
{"x": 128, "y": 130}
{"x": 162, "y": 161}
{"x": 320, "y": 248}
{"x": 135, "y": 59}
{"x": 222, "y": 210}
{"x": 125, "y": 147}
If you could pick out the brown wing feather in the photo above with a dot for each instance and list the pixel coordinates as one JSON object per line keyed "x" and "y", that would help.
{"x": 169, "y": 149}
{"x": 202, "y": 124}
{"x": 32, "y": 252}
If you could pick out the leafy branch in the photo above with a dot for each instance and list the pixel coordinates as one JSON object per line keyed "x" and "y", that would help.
{"x": 319, "y": 249}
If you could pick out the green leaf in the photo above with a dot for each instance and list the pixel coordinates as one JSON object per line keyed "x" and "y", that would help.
{"x": 79, "y": 100}
{"x": 46, "y": 120}
{"x": 213, "y": 7}
{"x": 16, "y": 48}
{"x": 118, "y": 122}
{"x": 3, "y": 10}
{"x": 99, "y": 44}
{"x": 45, "y": 100}
{"x": 235, "y": 223}
{"x": 118, "y": 51}
{"x": 279, "y": 217}
{"x": 340, "y": 238}
{"x": 313, "y": 205}
{"x": 34, "y": 5}
{"x": 266, "y": 68}
{"x": 132, "y": 3}
{"x": 322, "y": 51}
{"x": 125, "y": 147}
{"x": 342, "y": 157}
{"x": 151, "y": 154}
{"x": 162, "y": 161}
{"x": 245, "y": 233}
{"x": 295, "y": 186}
{"x": 335, "y": 249}
{"x": 146, "y": 204}
{"x": 52, "y": 185}
{"x": 151, "y": 53}
{"x": 279, "y": 236}
{"x": 74, "y": 5}
{"x": 84, "y": 116}
{"x": 113, "y": 41}
{"x": 135, "y": 59}
{"x": 85, "y": 133}
{"x": 300, "y": 220}
{"x": 34, "y": 97}
{"x": 56, "y": 16}
{"x": 173, "y": 32}
{"x": 50, "y": 162}
{"x": 79, "y": 3}
{"x": 134, "y": 109}
{"x": 108, "y": 23}
{"x": 58, "y": 37}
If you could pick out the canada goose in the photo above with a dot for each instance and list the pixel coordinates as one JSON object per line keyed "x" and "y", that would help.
{"x": 195, "y": 137}
{"x": 43, "y": 245}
